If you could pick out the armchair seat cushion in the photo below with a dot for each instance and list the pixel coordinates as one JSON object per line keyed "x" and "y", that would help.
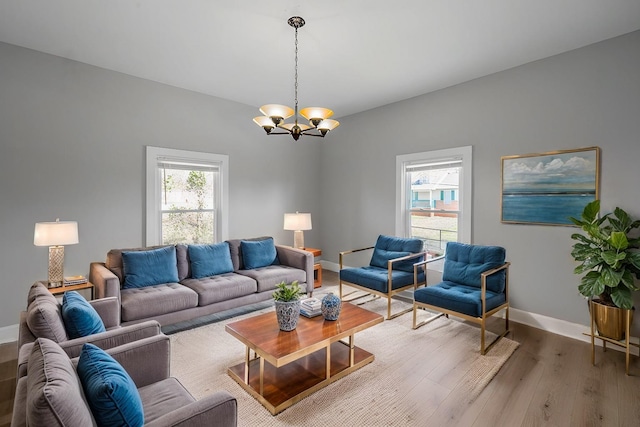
{"x": 163, "y": 397}
{"x": 377, "y": 278}
{"x": 458, "y": 298}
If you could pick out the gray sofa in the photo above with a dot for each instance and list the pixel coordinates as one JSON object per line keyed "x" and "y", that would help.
{"x": 189, "y": 297}
{"x": 52, "y": 393}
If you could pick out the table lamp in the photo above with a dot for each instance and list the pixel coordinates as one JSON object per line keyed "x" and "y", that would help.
{"x": 297, "y": 222}
{"x": 56, "y": 235}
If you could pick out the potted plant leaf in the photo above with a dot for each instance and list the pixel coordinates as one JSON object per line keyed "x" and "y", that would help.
{"x": 609, "y": 254}
{"x": 287, "y": 301}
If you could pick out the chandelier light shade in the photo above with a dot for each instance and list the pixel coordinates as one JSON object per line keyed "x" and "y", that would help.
{"x": 56, "y": 235}
{"x": 297, "y": 222}
{"x": 275, "y": 114}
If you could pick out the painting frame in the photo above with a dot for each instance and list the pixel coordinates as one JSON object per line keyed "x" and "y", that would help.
{"x": 548, "y": 188}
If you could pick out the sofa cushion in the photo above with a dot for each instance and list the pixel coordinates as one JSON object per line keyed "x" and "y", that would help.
{"x": 150, "y": 301}
{"x": 80, "y": 318}
{"x": 111, "y": 393}
{"x": 44, "y": 318}
{"x": 54, "y": 392}
{"x": 182, "y": 256}
{"x": 256, "y": 254}
{"x": 236, "y": 250}
{"x": 114, "y": 259}
{"x": 221, "y": 287}
{"x": 464, "y": 264}
{"x": 209, "y": 260}
{"x": 149, "y": 268}
{"x": 389, "y": 247}
{"x": 268, "y": 277}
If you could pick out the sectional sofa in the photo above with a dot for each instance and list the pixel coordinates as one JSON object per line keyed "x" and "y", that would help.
{"x": 176, "y": 283}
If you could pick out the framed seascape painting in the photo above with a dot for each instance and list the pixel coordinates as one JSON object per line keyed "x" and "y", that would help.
{"x": 548, "y": 188}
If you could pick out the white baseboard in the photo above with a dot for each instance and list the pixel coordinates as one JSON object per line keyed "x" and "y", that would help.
{"x": 8, "y": 334}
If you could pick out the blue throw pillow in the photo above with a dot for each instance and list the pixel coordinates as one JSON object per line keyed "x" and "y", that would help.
{"x": 80, "y": 318}
{"x": 258, "y": 253}
{"x": 148, "y": 268}
{"x": 111, "y": 393}
{"x": 209, "y": 260}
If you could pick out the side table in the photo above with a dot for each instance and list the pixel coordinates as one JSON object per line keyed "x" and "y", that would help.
{"x": 317, "y": 267}
{"x": 62, "y": 289}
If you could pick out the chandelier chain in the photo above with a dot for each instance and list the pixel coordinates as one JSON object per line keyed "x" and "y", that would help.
{"x": 296, "y": 77}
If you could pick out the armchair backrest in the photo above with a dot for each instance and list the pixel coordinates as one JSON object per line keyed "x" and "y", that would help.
{"x": 390, "y": 247}
{"x": 464, "y": 264}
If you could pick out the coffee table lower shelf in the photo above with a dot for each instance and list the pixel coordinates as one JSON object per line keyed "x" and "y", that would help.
{"x": 284, "y": 386}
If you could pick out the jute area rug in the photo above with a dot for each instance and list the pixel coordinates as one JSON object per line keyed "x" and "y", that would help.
{"x": 441, "y": 357}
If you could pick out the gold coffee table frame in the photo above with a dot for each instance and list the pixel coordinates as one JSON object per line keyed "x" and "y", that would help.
{"x": 302, "y": 361}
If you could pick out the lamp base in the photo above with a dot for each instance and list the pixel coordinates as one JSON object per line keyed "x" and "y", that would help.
{"x": 298, "y": 239}
{"x": 56, "y": 266}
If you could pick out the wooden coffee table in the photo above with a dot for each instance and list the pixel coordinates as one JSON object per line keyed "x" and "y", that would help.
{"x": 302, "y": 361}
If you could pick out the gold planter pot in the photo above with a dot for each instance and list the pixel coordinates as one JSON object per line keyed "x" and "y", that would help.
{"x": 610, "y": 321}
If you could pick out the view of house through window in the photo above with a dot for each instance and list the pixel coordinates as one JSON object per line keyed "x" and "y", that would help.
{"x": 434, "y": 197}
{"x": 186, "y": 197}
{"x": 434, "y": 208}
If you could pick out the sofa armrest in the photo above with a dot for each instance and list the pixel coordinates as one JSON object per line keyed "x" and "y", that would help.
{"x": 147, "y": 360}
{"x": 106, "y": 284}
{"x": 104, "y": 340}
{"x": 109, "y": 311}
{"x": 217, "y": 409}
{"x": 297, "y": 258}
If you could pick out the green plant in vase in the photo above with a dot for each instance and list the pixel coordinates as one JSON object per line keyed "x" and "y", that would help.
{"x": 609, "y": 255}
{"x": 287, "y": 302}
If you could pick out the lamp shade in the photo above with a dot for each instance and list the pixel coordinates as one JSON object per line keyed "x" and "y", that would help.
{"x": 56, "y": 233}
{"x": 297, "y": 221}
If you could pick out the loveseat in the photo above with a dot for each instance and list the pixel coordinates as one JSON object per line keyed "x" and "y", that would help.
{"x": 176, "y": 283}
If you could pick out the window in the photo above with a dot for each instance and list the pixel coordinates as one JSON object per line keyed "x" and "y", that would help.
{"x": 187, "y": 197}
{"x": 433, "y": 197}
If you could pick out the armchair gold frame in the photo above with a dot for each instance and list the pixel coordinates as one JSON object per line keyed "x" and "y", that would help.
{"x": 478, "y": 320}
{"x": 390, "y": 291}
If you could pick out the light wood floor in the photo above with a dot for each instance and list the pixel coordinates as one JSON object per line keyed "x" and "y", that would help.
{"x": 549, "y": 381}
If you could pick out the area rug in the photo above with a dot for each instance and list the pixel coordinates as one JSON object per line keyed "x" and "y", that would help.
{"x": 446, "y": 350}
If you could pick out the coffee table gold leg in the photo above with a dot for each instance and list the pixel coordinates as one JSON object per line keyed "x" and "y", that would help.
{"x": 351, "y": 350}
{"x": 262, "y": 376}
{"x": 327, "y": 363}
{"x": 246, "y": 366}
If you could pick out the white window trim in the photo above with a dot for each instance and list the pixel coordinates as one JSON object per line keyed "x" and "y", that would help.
{"x": 403, "y": 202}
{"x": 153, "y": 187}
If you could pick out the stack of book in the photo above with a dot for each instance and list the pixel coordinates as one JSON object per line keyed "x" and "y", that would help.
{"x": 310, "y": 307}
{"x": 74, "y": 280}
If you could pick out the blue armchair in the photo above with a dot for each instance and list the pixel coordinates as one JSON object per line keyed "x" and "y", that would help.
{"x": 390, "y": 271}
{"x": 475, "y": 286}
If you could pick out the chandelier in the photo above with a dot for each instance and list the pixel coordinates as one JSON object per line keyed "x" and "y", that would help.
{"x": 275, "y": 114}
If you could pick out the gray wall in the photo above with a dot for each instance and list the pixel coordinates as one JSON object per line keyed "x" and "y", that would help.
{"x": 586, "y": 97}
{"x": 72, "y": 140}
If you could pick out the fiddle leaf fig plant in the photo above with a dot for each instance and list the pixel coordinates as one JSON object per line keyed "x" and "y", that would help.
{"x": 608, "y": 254}
{"x": 287, "y": 292}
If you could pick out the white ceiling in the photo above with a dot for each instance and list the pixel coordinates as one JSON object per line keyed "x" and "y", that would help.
{"x": 354, "y": 55}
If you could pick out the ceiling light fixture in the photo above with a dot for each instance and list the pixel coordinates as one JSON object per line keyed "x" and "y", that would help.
{"x": 275, "y": 114}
